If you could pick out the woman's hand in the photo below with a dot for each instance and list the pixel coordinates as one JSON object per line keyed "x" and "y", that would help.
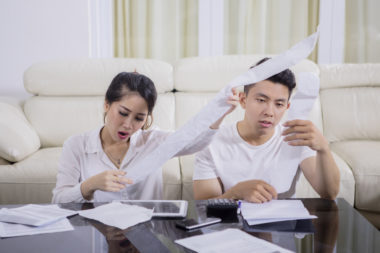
{"x": 109, "y": 180}
{"x": 233, "y": 100}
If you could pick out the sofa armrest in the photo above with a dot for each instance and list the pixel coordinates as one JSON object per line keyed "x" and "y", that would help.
{"x": 347, "y": 183}
{"x": 18, "y": 138}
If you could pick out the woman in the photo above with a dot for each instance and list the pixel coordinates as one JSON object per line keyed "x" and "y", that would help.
{"x": 92, "y": 164}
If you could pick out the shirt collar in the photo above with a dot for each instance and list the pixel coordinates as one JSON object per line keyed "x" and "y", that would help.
{"x": 94, "y": 144}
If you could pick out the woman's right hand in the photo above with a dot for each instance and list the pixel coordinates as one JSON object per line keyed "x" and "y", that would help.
{"x": 109, "y": 180}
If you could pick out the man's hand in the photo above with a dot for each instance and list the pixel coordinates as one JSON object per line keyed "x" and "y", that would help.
{"x": 304, "y": 133}
{"x": 256, "y": 191}
{"x": 109, "y": 180}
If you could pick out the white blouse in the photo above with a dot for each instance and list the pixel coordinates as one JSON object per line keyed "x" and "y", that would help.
{"x": 83, "y": 157}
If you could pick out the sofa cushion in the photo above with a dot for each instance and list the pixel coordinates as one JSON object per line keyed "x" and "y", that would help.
{"x": 350, "y": 114}
{"x": 349, "y": 97}
{"x": 57, "y": 118}
{"x": 349, "y": 75}
{"x": 210, "y": 74}
{"x": 364, "y": 159}
{"x": 91, "y": 77}
{"x": 18, "y": 138}
{"x": 33, "y": 179}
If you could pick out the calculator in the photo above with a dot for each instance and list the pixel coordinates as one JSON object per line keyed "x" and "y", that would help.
{"x": 226, "y": 209}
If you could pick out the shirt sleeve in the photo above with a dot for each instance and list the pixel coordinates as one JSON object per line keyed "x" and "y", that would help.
{"x": 204, "y": 166}
{"x": 199, "y": 143}
{"x": 68, "y": 178}
{"x": 306, "y": 153}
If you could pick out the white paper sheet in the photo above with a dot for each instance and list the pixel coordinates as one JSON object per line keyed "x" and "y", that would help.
{"x": 229, "y": 240}
{"x": 300, "y": 106}
{"x": 140, "y": 168}
{"x": 34, "y": 215}
{"x": 303, "y": 100}
{"x": 10, "y": 229}
{"x": 118, "y": 215}
{"x": 274, "y": 210}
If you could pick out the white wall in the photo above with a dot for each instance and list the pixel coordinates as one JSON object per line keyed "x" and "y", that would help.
{"x": 37, "y": 30}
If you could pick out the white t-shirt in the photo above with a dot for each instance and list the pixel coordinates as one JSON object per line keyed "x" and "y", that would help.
{"x": 233, "y": 160}
{"x": 83, "y": 157}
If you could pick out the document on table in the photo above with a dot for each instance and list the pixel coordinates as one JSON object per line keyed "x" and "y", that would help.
{"x": 34, "y": 215}
{"x": 229, "y": 240}
{"x": 11, "y": 229}
{"x": 274, "y": 210}
{"x": 118, "y": 215}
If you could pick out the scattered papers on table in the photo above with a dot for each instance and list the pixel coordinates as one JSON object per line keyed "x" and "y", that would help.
{"x": 274, "y": 210}
{"x": 11, "y": 229}
{"x": 118, "y": 215}
{"x": 229, "y": 240}
{"x": 34, "y": 215}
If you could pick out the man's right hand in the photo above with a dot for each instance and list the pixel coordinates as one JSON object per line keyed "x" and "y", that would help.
{"x": 256, "y": 191}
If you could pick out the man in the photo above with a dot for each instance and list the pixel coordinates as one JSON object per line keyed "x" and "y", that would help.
{"x": 250, "y": 159}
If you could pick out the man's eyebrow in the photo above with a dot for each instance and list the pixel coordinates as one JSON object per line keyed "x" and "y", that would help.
{"x": 265, "y": 96}
{"x": 125, "y": 108}
{"x": 262, "y": 95}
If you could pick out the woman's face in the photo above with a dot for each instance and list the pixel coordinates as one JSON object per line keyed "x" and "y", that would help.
{"x": 125, "y": 117}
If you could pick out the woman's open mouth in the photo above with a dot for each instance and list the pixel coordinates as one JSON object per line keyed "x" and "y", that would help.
{"x": 123, "y": 135}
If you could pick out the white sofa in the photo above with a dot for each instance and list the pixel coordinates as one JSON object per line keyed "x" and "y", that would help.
{"x": 68, "y": 98}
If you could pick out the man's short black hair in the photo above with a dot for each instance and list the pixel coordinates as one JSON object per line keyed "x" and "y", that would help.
{"x": 285, "y": 77}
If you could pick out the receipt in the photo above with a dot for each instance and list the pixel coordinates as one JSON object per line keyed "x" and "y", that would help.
{"x": 300, "y": 106}
{"x": 304, "y": 99}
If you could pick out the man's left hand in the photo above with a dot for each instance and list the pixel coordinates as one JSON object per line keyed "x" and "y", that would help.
{"x": 304, "y": 133}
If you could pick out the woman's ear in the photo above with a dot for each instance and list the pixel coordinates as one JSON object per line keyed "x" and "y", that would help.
{"x": 148, "y": 122}
{"x": 106, "y": 106}
{"x": 242, "y": 99}
{"x": 288, "y": 106}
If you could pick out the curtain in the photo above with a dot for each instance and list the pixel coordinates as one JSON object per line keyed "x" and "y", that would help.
{"x": 159, "y": 29}
{"x": 268, "y": 26}
{"x": 362, "y": 31}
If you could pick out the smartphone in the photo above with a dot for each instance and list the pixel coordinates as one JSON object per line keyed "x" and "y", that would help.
{"x": 189, "y": 224}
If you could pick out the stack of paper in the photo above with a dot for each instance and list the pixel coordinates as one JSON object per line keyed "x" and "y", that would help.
{"x": 229, "y": 240}
{"x": 118, "y": 215}
{"x": 275, "y": 210}
{"x": 34, "y": 219}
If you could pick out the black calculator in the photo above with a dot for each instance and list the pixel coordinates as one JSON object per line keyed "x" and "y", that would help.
{"x": 226, "y": 209}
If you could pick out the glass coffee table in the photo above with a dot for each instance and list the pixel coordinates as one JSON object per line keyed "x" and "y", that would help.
{"x": 338, "y": 228}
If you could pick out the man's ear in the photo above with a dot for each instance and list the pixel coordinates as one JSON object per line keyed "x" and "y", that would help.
{"x": 242, "y": 99}
{"x": 287, "y": 107}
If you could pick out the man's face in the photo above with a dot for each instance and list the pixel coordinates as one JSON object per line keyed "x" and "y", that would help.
{"x": 265, "y": 104}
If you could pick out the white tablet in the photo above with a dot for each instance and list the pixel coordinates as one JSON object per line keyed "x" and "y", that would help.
{"x": 162, "y": 208}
